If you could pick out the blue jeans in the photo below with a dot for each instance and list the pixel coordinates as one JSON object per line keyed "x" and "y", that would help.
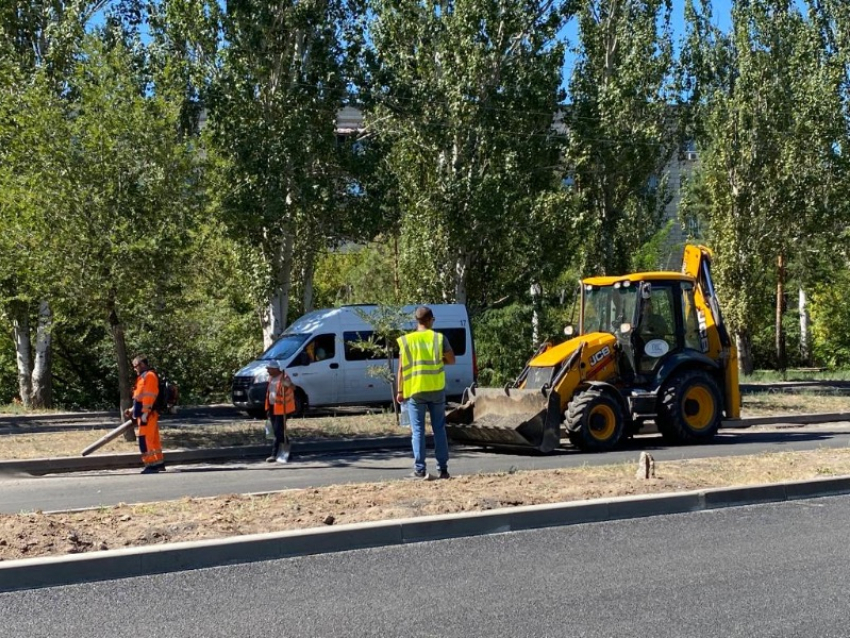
{"x": 416, "y": 409}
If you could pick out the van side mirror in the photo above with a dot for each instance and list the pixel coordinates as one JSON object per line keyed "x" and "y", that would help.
{"x": 304, "y": 359}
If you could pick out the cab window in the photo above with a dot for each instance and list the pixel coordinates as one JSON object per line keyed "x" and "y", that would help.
{"x": 689, "y": 308}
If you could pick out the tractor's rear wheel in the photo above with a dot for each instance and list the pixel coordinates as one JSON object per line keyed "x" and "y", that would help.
{"x": 690, "y": 408}
{"x": 594, "y": 421}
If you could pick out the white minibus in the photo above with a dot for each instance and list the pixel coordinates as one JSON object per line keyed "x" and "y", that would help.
{"x": 320, "y": 357}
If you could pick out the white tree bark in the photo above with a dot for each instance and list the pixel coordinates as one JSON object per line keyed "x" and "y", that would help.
{"x": 42, "y": 379}
{"x": 745, "y": 353}
{"x": 535, "y": 315}
{"x": 21, "y": 329}
{"x": 805, "y": 333}
{"x": 461, "y": 268}
{"x": 274, "y": 319}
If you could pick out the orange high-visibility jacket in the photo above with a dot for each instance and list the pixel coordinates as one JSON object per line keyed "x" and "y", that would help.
{"x": 147, "y": 387}
{"x": 284, "y": 400}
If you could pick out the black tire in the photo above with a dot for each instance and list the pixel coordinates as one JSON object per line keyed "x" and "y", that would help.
{"x": 594, "y": 420}
{"x": 690, "y": 408}
{"x": 256, "y": 413}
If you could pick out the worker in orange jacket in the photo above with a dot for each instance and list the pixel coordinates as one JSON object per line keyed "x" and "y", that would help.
{"x": 146, "y": 418}
{"x": 280, "y": 401}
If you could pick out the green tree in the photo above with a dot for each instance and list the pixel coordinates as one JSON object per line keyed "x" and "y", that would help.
{"x": 620, "y": 127}
{"x": 129, "y": 196}
{"x": 771, "y": 132}
{"x": 273, "y": 102}
{"x": 38, "y": 40}
{"x": 463, "y": 95}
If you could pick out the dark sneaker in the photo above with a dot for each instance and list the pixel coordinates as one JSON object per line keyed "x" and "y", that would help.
{"x": 270, "y": 459}
{"x": 444, "y": 474}
{"x": 422, "y": 475}
{"x": 153, "y": 469}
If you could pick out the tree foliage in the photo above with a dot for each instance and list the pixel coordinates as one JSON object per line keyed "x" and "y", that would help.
{"x": 620, "y": 127}
{"x": 464, "y": 94}
{"x": 173, "y": 178}
{"x": 773, "y": 140}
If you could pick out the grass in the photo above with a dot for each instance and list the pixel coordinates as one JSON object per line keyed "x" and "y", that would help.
{"x": 767, "y": 376}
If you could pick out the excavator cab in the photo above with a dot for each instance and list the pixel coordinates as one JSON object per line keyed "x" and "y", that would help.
{"x": 650, "y": 346}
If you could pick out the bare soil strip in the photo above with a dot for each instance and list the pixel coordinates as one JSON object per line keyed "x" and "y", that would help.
{"x": 38, "y": 534}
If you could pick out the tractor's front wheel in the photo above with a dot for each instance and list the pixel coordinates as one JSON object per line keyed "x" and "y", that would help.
{"x": 690, "y": 408}
{"x": 594, "y": 421}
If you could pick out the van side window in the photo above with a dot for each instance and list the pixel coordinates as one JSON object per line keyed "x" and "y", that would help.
{"x": 322, "y": 347}
{"x": 319, "y": 348}
{"x": 354, "y": 353}
{"x": 456, "y": 338}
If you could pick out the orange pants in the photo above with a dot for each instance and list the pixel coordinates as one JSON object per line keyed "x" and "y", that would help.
{"x": 149, "y": 443}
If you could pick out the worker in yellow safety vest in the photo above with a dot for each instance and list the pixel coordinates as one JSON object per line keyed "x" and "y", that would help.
{"x": 422, "y": 387}
{"x": 146, "y": 418}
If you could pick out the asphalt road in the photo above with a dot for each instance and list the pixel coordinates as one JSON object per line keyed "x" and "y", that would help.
{"x": 749, "y": 572}
{"x": 79, "y": 490}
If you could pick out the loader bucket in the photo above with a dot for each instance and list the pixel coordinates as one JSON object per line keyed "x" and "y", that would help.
{"x": 507, "y": 417}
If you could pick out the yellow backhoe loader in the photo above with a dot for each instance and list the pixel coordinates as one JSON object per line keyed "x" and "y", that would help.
{"x": 650, "y": 346}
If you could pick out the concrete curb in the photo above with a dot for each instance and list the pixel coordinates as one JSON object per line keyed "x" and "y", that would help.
{"x": 125, "y": 563}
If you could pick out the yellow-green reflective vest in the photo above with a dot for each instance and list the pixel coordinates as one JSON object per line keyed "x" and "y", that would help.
{"x": 422, "y": 362}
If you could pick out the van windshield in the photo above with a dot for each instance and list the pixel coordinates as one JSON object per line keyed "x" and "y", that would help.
{"x": 285, "y": 347}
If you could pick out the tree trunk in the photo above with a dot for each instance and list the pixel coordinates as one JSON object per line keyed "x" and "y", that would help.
{"x": 461, "y": 270}
{"x": 274, "y": 319}
{"x": 308, "y": 274}
{"x": 535, "y": 315}
{"x": 21, "y": 327}
{"x": 781, "y": 355}
{"x": 745, "y": 352}
{"x": 805, "y": 333}
{"x": 396, "y": 266}
{"x": 124, "y": 390}
{"x": 42, "y": 375}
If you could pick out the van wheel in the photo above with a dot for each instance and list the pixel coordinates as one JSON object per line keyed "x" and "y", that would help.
{"x": 594, "y": 421}
{"x": 690, "y": 408}
{"x": 256, "y": 413}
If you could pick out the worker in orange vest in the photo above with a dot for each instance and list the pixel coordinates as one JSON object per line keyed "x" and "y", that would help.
{"x": 146, "y": 418}
{"x": 280, "y": 401}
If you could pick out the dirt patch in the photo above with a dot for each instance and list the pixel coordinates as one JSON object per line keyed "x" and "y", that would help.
{"x": 177, "y": 435}
{"x": 38, "y": 534}
{"x": 182, "y": 435}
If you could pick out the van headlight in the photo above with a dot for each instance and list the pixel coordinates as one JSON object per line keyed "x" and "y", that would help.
{"x": 261, "y": 377}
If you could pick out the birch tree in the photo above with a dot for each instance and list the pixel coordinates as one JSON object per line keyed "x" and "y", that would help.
{"x": 40, "y": 40}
